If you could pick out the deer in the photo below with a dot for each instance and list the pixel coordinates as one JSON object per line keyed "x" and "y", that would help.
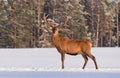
{"x": 65, "y": 45}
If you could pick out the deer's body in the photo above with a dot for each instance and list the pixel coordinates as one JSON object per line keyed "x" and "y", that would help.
{"x": 65, "y": 45}
{"x": 69, "y": 46}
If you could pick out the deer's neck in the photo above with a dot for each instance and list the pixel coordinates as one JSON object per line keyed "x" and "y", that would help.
{"x": 56, "y": 39}
{"x": 56, "y": 36}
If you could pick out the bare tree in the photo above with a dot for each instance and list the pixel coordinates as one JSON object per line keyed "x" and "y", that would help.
{"x": 54, "y": 9}
{"x": 117, "y": 24}
{"x": 39, "y": 12}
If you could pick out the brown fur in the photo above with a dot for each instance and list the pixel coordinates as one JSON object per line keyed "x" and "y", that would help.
{"x": 65, "y": 45}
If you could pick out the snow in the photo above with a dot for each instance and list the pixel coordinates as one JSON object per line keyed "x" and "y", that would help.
{"x": 46, "y": 63}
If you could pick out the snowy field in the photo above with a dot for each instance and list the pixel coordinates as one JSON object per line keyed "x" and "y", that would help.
{"x": 46, "y": 63}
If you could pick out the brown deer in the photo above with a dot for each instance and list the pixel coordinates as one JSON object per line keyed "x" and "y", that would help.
{"x": 65, "y": 45}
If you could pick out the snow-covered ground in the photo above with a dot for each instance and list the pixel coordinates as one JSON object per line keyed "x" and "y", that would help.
{"x": 46, "y": 63}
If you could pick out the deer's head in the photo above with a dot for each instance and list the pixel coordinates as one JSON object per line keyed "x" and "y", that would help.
{"x": 55, "y": 28}
{"x": 52, "y": 25}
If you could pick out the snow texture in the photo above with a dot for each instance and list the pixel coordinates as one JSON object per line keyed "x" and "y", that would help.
{"x": 46, "y": 63}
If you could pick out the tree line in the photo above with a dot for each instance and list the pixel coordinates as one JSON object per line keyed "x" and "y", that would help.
{"x": 22, "y": 23}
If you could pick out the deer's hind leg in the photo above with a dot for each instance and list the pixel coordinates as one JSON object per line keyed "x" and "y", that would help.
{"x": 94, "y": 59}
{"x": 86, "y": 60}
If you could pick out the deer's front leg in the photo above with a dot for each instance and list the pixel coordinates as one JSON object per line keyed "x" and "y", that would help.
{"x": 62, "y": 59}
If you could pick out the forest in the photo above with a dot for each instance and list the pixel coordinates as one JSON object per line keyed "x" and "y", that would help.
{"x": 22, "y": 23}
